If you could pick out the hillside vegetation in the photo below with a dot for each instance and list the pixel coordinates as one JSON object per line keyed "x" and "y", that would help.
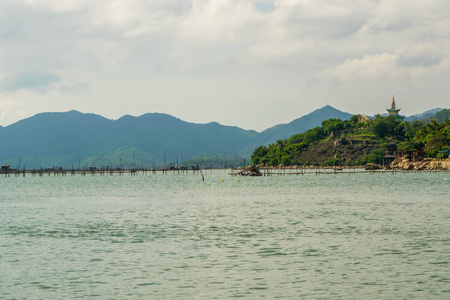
{"x": 74, "y": 139}
{"x": 353, "y": 143}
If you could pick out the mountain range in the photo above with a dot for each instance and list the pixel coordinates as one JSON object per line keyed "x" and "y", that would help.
{"x": 82, "y": 139}
{"x": 425, "y": 115}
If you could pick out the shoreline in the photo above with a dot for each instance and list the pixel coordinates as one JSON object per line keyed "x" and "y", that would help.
{"x": 406, "y": 164}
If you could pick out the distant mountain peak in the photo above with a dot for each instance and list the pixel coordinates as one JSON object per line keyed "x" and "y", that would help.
{"x": 311, "y": 120}
{"x": 158, "y": 115}
{"x": 330, "y": 108}
{"x": 73, "y": 111}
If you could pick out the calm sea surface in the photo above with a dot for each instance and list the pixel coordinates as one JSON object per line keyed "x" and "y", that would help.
{"x": 362, "y": 236}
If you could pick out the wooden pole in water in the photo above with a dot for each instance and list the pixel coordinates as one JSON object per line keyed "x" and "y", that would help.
{"x": 164, "y": 167}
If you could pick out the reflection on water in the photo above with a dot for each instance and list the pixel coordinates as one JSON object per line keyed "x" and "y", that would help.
{"x": 166, "y": 237}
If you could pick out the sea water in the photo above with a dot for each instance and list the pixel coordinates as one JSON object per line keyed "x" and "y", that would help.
{"x": 345, "y": 236}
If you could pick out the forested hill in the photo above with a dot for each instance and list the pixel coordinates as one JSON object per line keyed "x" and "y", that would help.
{"x": 74, "y": 138}
{"x": 356, "y": 141}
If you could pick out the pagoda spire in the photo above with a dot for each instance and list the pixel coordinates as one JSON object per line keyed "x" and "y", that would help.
{"x": 393, "y": 103}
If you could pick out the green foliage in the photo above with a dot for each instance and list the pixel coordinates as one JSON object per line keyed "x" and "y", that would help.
{"x": 436, "y": 143}
{"x": 308, "y": 137}
{"x": 354, "y": 119}
{"x": 333, "y": 125}
{"x": 350, "y": 142}
{"x": 442, "y": 115}
{"x": 381, "y": 128}
{"x": 434, "y": 136}
{"x": 412, "y": 128}
{"x": 286, "y": 160}
{"x": 409, "y": 146}
{"x": 274, "y": 161}
{"x": 390, "y": 126}
{"x": 376, "y": 156}
{"x": 332, "y": 162}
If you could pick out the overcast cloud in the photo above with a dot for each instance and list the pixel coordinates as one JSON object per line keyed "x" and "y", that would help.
{"x": 239, "y": 62}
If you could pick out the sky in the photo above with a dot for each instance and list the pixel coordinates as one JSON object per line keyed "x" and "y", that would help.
{"x": 245, "y": 63}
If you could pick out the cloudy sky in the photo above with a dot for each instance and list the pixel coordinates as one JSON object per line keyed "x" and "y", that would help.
{"x": 247, "y": 63}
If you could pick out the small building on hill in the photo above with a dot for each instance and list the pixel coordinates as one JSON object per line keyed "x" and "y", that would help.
{"x": 388, "y": 159}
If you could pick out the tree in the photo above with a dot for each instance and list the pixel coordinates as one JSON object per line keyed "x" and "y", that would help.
{"x": 332, "y": 125}
{"x": 436, "y": 143}
{"x": 411, "y": 128}
{"x": 274, "y": 162}
{"x": 286, "y": 160}
{"x": 380, "y": 128}
{"x": 442, "y": 115}
{"x": 376, "y": 156}
{"x": 409, "y": 146}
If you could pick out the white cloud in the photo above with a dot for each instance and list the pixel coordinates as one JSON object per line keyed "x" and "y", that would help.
{"x": 33, "y": 81}
{"x": 416, "y": 63}
{"x": 370, "y": 67}
{"x": 76, "y": 47}
{"x": 7, "y": 106}
{"x": 219, "y": 22}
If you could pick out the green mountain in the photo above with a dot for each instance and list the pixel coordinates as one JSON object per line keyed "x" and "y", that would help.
{"x": 77, "y": 139}
{"x": 53, "y": 138}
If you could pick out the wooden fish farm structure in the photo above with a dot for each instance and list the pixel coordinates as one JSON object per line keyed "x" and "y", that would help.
{"x": 7, "y": 172}
{"x": 324, "y": 171}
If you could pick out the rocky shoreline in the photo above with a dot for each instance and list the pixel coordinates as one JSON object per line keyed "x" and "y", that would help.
{"x": 426, "y": 164}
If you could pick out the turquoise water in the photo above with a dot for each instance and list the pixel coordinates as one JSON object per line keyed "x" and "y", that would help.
{"x": 361, "y": 236}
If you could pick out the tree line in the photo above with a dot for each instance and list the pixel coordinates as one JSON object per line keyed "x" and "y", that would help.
{"x": 359, "y": 141}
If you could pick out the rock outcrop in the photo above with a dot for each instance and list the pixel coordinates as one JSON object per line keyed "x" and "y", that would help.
{"x": 372, "y": 167}
{"x": 425, "y": 164}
